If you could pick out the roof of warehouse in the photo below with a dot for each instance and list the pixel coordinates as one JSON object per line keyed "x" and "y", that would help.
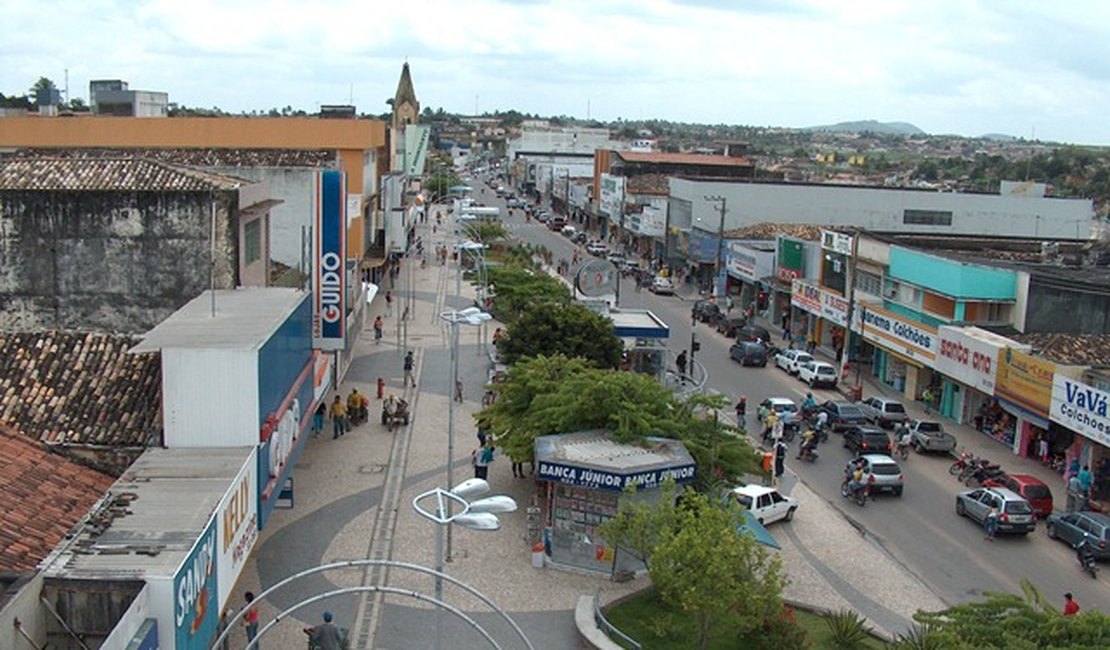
{"x": 152, "y": 515}
{"x": 80, "y": 388}
{"x": 108, "y": 175}
{"x": 200, "y": 157}
{"x": 45, "y": 496}
{"x": 244, "y": 318}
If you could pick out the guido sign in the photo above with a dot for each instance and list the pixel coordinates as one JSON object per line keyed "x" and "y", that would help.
{"x": 329, "y": 265}
{"x": 1081, "y": 408}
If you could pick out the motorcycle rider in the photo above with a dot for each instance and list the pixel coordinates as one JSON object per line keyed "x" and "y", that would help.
{"x": 854, "y": 471}
{"x": 904, "y": 437}
{"x": 1085, "y": 553}
{"x": 809, "y": 444}
{"x": 822, "y": 421}
{"x": 809, "y": 404}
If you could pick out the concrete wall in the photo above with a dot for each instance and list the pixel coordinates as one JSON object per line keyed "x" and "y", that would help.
{"x": 882, "y": 210}
{"x": 109, "y": 261}
{"x": 25, "y": 606}
{"x": 292, "y": 186}
{"x": 1059, "y": 307}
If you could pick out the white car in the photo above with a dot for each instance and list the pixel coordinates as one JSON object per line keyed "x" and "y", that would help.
{"x": 817, "y": 373}
{"x": 790, "y": 360}
{"x": 597, "y": 248}
{"x": 569, "y": 231}
{"x": 662, "y": 287}
{"x": 765, "y": 503}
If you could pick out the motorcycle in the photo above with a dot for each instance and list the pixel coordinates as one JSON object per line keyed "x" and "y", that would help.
{"x": 858, "y": 495}
{"x": 902, "y": 451}
{"x": 982, "y": 474}
{"x": 807, "y": 452}
{"x": 973, "y": 467}
{"x": 963, "y": 460}
{"x": 1086, "y": 558}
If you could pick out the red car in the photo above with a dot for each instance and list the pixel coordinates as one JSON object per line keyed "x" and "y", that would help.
{"x": 1032, "y": 488}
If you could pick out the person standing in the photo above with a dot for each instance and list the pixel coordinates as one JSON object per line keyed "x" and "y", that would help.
{"x": 1085, "y": 480}
{"x": 741, "y": 410}
{"x": 927, "y": 397}
{"x": 377, "y": 330}
{"x": 326, "y": 636}
{"x": 680, "y": 361}
{"x": 338, "y": 414}
{"x": 388, "y": 304}
{"x": 780, "y": 460}
{"x": 990, "y": 523}
{"x": 482, "y": 457}
{"x": 1042, "y": 449}
{"x": 1071, "y": 608}
{"x": 409, "y": 365}
{"x": 1074, "y": 494}
{"x": 250, "y": 619}
{"x": 318, "y": 418}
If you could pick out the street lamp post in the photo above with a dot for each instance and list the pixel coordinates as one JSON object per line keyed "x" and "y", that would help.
{"x": 468, "y": 316}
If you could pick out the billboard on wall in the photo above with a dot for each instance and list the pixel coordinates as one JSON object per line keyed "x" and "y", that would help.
{"x": 195, "y": 597}
{"x": 329, "y": 258}
{"x": 970, "y": 355}
{"x": 1025, "y": 380}
{"x": 819, "y": 301}
{"x": 791, "y": 259}
{"x": 416, "y": 148}
{"x": 611, "y": 202}
{"x": 909, "y": 339}
{"x": 1081, "y": 408}
{"x": 237, "y": 526}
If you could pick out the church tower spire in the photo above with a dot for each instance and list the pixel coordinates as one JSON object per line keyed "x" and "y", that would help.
{"x": 406, "y": 110}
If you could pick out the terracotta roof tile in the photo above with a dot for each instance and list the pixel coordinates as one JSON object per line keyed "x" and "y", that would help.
{"x": 807, "y": 232}
{"x": 45, "y": 496}
{"x": 1070, "y": 349}
{"x": 200, "y": 157}
{"x": 107, "y": 175}
{"x": 80, "y": 389}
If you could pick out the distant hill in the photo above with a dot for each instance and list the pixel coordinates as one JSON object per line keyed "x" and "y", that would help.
{"x": 871, "y": 126}
{"x": 1001, "y": 137}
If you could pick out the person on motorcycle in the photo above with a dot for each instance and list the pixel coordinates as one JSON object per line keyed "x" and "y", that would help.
{"x": 808, "y": 404}
{"x": 769, "y": 422}
{"x": 854, "y": 470}
{"x": 905, "y": 438}
{"x": 809, "y": 443}
{"x": 1085, "y": 553}
{"x": 822, "y": 421}
{"x": 390, "y": 405}
{"x": 326, "y": 636}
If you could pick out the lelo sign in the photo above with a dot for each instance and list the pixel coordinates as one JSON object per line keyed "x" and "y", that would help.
{"x": 970, "y": 355}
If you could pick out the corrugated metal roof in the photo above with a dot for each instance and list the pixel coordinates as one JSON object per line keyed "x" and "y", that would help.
{"x": 683, "y": 159}
{"x": 245, "y": 318}
{"x": 108, "y": 175}
{"x": 597, "y": 449}
{"x": 153, "y": 514}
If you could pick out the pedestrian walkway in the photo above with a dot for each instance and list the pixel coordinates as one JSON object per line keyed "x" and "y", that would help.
{"x": 353, "y": 500}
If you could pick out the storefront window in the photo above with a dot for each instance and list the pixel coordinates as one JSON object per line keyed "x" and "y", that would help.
{"x": 576, "y": 514}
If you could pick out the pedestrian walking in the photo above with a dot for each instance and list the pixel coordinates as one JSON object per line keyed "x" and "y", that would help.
{"x": 250, "y": 618}
{"x": 221, "y": 627}
{"x": 377, "y": 330}
{"x": 990, "y": 524}
{"x": 458, "y": 391}
{"x": 481, "y": 458}
{"x": 1042, "y": 449}
{"x": 318, "y": 418}
{"x": 409, "y": 364}
{"x": 680, "y": 362}
{"x": 338, "y": 412}
{"x": 741, "y": 410}
{"x": 1071, "y": 608}
{"x": 780, "y": 460}
{"x": 1074, "y": 492}
{"x": 388, "y": 304}
{"x": 927, "y": 397}
{"x": 518, "y": 468}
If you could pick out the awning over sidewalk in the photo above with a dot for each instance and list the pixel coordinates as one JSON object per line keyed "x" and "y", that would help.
{"x": 1013, "y": 409}
{"x": 758, "y": 530}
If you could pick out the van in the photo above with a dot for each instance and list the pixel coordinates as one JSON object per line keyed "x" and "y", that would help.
{"x": 748, "y": 354}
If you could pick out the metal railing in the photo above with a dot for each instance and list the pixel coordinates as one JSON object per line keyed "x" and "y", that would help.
{"x": 607, "y": 627}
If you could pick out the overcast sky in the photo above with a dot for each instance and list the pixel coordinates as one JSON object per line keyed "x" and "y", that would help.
{"x": 968, "y": 67}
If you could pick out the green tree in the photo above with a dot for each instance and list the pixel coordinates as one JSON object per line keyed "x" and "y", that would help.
{"x": 1011, "y": 621}
{"x": 517, "y": 288}
{"x": 699, "y": 561}
{"x": 571, "y": 330}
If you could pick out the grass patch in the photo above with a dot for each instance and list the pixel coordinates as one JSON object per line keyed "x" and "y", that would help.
{"x": 649, "y": 621}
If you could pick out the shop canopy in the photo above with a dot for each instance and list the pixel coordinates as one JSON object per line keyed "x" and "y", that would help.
{"x": 751, "y": 526}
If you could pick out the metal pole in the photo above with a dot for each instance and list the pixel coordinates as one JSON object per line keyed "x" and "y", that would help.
{"x": 451, "y": 419}
{"x": 439, "y": 550}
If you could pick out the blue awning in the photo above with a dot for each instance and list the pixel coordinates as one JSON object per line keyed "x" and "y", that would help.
{"x": 753, "y": 527}
{"x": 1017, "y": 411}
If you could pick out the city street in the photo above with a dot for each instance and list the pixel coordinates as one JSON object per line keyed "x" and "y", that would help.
{"x": 919, "y": 530}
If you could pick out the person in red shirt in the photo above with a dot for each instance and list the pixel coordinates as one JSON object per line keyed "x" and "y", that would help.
{"x": 1071, "y": 608}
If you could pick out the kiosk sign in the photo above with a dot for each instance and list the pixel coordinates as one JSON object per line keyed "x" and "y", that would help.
{"x": 593, "y": 479}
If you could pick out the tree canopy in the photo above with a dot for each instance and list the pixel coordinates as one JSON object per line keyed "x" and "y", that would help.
{"x": 571, "y": 330}
{"x": 516, "y": 288}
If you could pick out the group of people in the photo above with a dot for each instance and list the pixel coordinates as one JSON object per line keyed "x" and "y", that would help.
{"x": 344, "y": 415}
{"x": 1080, "y": 482}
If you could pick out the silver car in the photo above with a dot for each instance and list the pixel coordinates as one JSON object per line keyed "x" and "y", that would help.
{"x": 931, "y": 436}
{"x": 1015, "y": 513}
{"x": 883, "y": 474}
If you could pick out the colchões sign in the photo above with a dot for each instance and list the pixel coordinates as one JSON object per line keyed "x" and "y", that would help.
{"x": 1081, "y": 408}
{"x": 593, "y": 479}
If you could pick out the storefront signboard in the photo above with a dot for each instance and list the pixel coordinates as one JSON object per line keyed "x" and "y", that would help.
{"x": 611, "y": 202}
{"x": 837, "y": 242}
{"x": 971, "y": 355}
{"x": 819, "y": 301}
{"x": 1081, "y": 408}
{"x": 791, "y": 259}
{"x": 746, "y": 263}
{"x": 237, "y": 521}
{"x": 1025, "y": 380}
{"x": 330, "y": 254}
{"x": 601, "y": 480}
{"x": 915, "y": 341}
{"x": 194, "y": 594}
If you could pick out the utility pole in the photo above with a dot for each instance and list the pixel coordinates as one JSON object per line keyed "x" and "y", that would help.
{"x": 719, "y": 264}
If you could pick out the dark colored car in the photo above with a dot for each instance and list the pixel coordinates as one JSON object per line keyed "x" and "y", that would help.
{"x": 753, "y": 333}
{"x": 748, "y": 354}
{"x": 1073, "y": 527}
{"x": 704, "y": 311}
{"x": 1032, "y": 488}
{"x": 580, "y": 237}
{"x": 843, "y": 415}
{"x": 867, "y": 440}
{"x": 729, "y": 325}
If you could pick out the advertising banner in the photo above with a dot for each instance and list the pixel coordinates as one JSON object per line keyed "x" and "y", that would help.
{"x": 819, "y": 301}
{"x": 836, "y": 241}
{"x": 791, "y": 259}
{"x": 416, "y": 148}
{"x": 1025, "y": 380}
{"x": 912, "y": 340}
{"x": 653, "y": 221}
{"x": 1081, "y": 408}
{"x": 608, "y": 481}
{"x": 611, "y": 202}
{"x": 196, "y": 610}
{"x": 237, "y": 526}
{"x": 805, "y": 296}
{"x": 329, "y": 256}
{"x": 970, "y": 355}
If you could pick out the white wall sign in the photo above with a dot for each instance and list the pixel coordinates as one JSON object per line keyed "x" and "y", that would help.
{"x": 913, "y": 340}
{"x": 970, "y": 355}
{"x": 611, "y": 202}
{"x": 836, "y": 241}
{"x": 237, "y": 527}
{"x": 1081, "y": 408}
{"x": 819, "y": 301}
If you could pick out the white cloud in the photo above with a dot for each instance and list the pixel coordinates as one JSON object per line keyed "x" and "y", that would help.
{"x": 966, "y": 67}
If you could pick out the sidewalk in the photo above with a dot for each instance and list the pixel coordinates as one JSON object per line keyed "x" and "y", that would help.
{"x": 354, "y": 501}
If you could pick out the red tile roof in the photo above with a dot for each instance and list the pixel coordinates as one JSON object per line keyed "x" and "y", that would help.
{"x": 107, "y": 175}
{"x": 683, "y": 159}
{"x": 45, "y": 496}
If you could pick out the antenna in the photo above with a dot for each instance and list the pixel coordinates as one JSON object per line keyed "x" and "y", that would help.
{"x": 351, "y": 95}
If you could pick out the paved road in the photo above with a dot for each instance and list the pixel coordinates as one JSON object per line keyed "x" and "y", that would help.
{"x": 920, "y": 530}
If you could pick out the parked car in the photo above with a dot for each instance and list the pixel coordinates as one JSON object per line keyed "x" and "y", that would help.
{"x": 843, "y": 415}
{"x": 867, "y": 440}
{"x": 570, "y": 232}
{"x": 784, "y": 406}
{"x": 753, "y": 333}
{"x": 704, "y": 311}
{"x": 616, "y": 259}
{"x": 557, "y": 223}
{"x": 580, "y": 237}
{"x": 597, "y": 248}
{"x": 766, "y": 503}
{"x": 883, "y": 474}
{"x": 662, "y": 286}
{"x": 1032, "y": 488}
{"x": 1015, "y": 513}
{"x": 1073, "y": 527}
{"x": 729, "y": 325}
{"x": 789, "y": 360}
{"x": 748, "y": 354}
{"x": 886, "y": 413}
{"x": 930, "y": 436}
{"x": 818, "y": 373}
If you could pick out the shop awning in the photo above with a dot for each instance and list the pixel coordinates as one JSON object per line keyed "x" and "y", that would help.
{"x": 752, "y": 526}
{"x": 1038, "y": 421}
{"x": 371, "y": 262}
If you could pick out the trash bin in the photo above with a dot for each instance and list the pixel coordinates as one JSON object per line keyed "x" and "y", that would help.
{"x": 537, "y": 555}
